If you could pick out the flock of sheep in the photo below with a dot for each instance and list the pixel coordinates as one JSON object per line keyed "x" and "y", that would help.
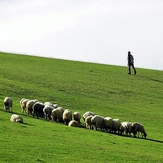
{"x": 55, "y": 113}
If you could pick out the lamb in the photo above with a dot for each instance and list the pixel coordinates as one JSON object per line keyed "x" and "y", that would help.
{"x": 98, "y": 122}
{"x": 116, "y": 125}
{"x": 16, "y": 118}
{"x": 76, "y": 116}
{"x": 8, "y": 104}
{"x": 74, "y": 123}
{"x": 47, "y": 111}
{"x": 23, "y": 103}
{"x": 86, "y": 114}
{"x": 125, "y": 127}
{"x": 67, "y": 116}
{"x": 38, "y": 109}
{"x": 88, "y": 123}
{"x": 56, "y": 115}
{"x": 137, "y": 127}
{"x": 108, "y": 123}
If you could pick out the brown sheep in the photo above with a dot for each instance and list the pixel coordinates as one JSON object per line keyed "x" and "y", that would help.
{"x": 56, "y": 115}
{"x": 74, "y": 123}
{"x": 108, "y": 123}
{"x": 88, "y": 123}
{"x": 77, "y": 116}
{"x": 116, "y": 125}
{"x": 67, "y": 116}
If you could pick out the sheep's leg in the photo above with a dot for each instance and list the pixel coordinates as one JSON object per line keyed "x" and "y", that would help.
{"x": 85, "y": 125}
{"x": 52, "y": 118}
{"x": 138, "y": 134}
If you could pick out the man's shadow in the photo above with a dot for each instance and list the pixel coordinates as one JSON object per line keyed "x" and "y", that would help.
{"x": 152, "y": 79}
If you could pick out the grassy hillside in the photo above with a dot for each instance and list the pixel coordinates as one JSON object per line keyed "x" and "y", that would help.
{"x": 104, "y": 89}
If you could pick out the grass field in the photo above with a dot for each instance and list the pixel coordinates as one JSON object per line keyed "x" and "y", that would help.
{"x": 79, "y": 86}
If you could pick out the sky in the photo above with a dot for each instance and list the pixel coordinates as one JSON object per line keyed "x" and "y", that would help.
{"x": 99, "y": 31}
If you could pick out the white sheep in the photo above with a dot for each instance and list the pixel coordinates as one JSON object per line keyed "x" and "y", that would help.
{"x": 108, "y": 123}
{"x": 23, "y": 103}
{"x": 98, "y": 121}
{"x": 125, "y": 127}
{"x": 88, "y": 123}
{"x": 67, "y": 116}
{"x": 74, "y": 123}
{"x": 88, "y": 113}
{"x": 116, "y": 125}
{"x": 56, "y": 115}
{"x": 47, "y": 111}
{"x": 55, "y": 105}
{"x": 48, "y": 104}
{"x": 8, "y": 104}
{"x": 76, "y": 116}
{"x": 16, "y": 118}
{"x": 136, "y": 128}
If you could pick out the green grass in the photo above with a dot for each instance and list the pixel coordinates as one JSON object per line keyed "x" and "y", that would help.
{"x": 106, "y": 90}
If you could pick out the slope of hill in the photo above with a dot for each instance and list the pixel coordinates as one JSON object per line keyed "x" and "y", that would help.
{"x": 79, "y": 86}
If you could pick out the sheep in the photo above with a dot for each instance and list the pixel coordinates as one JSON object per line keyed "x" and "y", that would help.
{"x": 38, "y": 109}
{"x": 56, "y": 115}
{"x": 137, "y": 127}
{"x": 98, "y": 122}
{"x": 86, "y": 114}
{"x": 116, "y": 125}
{"x": 67, "y": 116}
{"x": 29, "y": 105}
{"x": 16, "y": 118}
{"x": 47, "y": 111}
{"x": 88, "y": 123}
{"x": 108, "y": 123}
{"x": 74, "y": 123}
{"x": 23, "y": 103}
{"x": 76, "y": 116}
{"x": 61, "y": 109}
{"x": 8, "y": 104}
{"x": 48, "y": 104}
{"x": 125, "y": 127}
{"x": 55, "y": 105}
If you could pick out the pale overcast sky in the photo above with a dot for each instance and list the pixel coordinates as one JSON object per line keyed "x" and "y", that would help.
{"x": 101, "y": 31}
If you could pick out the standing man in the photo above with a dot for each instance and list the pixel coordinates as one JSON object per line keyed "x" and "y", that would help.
{"x": 131, "y": 63}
